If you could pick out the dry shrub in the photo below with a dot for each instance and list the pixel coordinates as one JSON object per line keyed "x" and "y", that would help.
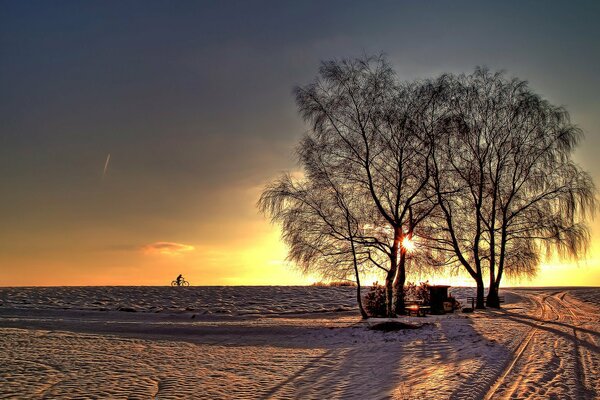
{"x": 374, "y": 301}
{"x": 335, "y": 284}
{"x": 414, "y": 292}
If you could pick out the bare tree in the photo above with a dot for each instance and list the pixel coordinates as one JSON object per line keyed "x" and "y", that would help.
{"x": 507, "y": 188}
{"x": 375, "y": 133}
{"x": 321, "y": 222}
{"x": 477, "y": 166}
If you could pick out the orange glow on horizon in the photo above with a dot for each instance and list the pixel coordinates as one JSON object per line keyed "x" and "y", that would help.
{"x": 257, "y": 259}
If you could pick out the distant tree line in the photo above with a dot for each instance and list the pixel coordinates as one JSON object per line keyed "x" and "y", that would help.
{"x": 475, "y": 170}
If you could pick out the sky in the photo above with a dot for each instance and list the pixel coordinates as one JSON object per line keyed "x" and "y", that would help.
{"x": 193, "y": 102}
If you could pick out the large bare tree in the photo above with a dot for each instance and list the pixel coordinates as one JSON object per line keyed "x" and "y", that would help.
{"x": 507, "y": 187}
{"x": 478, "y": 166}
{"x": 322, "y": 220}
{"x": 375, "y": 133}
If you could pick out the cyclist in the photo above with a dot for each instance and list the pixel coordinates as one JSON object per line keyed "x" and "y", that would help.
{"x": 179, "y": 280}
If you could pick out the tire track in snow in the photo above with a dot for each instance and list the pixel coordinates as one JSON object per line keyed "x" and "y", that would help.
{"x": 580, "y": 370}
{"x": 518, "y": 354}
{"x": 553, "y": 360}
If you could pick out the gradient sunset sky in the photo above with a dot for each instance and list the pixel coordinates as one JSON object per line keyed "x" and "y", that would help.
{"x": 192, "y": 100}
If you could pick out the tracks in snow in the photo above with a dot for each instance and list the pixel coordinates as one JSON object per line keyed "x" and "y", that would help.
{"x": 552, "y": 360}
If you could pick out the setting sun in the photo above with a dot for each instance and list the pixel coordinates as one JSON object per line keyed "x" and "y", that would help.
{"x": 408, "y": 244}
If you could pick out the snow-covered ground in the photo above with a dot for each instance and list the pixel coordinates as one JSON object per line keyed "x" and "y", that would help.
{"x": 219, "y": 300}
{"x": 58, "y": 343}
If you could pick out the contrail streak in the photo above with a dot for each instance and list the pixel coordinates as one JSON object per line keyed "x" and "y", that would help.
{"x": 106, "y": 165}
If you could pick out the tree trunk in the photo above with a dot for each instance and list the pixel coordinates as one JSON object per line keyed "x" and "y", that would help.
{"x": 492, "y": 298}
{"x": 363, "y": 313}
{"x": 399, "y": 282}
{"x": 498, "y": 279}
{"x": 480, "y": 304}
{"x": 389, "y": 289}
{"x": 389, "y": 279}
{"x": 389, "y": 293}
{"x": 496, "y": 282}
{"x": 495, "y": 289}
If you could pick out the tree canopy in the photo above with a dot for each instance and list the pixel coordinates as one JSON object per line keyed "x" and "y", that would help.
{"x": 476, "y": 168}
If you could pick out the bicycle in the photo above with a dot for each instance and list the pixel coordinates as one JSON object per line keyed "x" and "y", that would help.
{"x": 182, "y": 282}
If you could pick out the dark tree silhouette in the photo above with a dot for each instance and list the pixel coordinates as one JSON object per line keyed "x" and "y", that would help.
{"x": 508, "y": 190}
{"x": 478, "y": 167}
{"x": 375, "y": 133}
{"x": 319, "y": 225}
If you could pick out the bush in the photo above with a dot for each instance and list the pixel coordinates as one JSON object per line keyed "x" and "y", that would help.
{"x": 414, "y": 292}
{"x": 335, "y": 284}
{"x": 374, "y": 303}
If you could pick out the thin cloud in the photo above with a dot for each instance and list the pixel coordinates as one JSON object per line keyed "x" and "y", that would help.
{"x": 167, "y": 248}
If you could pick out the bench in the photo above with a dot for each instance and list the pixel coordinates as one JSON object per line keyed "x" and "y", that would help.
{"x": 416, "y": 308}
{"x": 472, "y": 300}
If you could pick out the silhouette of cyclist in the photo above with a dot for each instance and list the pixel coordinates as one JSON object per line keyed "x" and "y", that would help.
{"x": 179, "y": 279}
